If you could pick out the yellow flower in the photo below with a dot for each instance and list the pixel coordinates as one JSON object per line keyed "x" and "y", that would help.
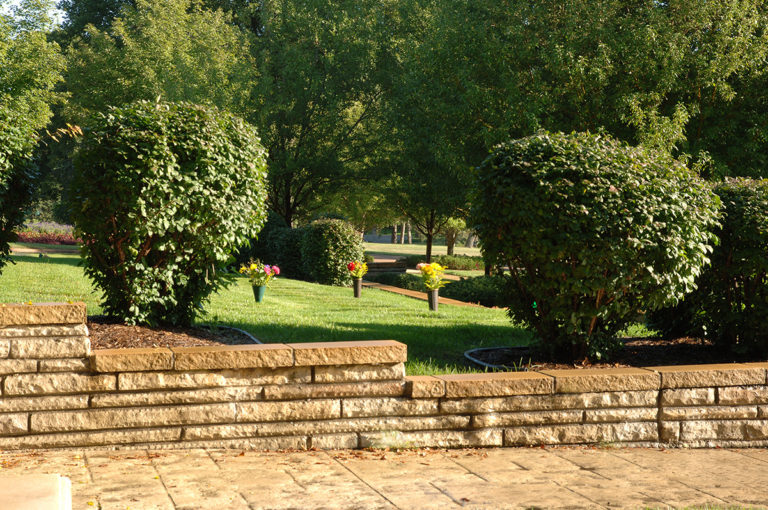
{"x": 254, "y": 267}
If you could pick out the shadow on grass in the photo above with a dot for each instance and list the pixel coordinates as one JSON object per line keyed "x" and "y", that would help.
{"x": 65, "y": 260}
{"x": 442, "y": 345}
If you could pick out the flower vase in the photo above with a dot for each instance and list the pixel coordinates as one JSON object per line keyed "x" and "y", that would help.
{"x": 258, "y": 292}
{"x": 358, "y": 286}
{"x": 432, "y": 297}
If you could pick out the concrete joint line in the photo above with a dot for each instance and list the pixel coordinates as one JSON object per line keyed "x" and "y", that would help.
{"x": 578, "y": 493}
{"x": 447, "y": 494}
{"x": 465, "y": 468}
{"x": 160, "y": 478}
{"x": 363, "y": 481}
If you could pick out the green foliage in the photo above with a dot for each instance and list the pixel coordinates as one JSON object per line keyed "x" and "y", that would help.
{"x": 401, "y": 280}
{"x": 286, "y": 244}
{"x": 730, "y": 305}
{"x": 30, "y": 67}
{"x": 264, "y": 246}
{"x": 326, "y": 249}
{"x": 317, "y": 95}
{"x": 460, "y": 262}
{"x": 687, "y": 77}
{"x": 165, "y": 193}
{"x": 172, "y": 49}
{"x": 592, "y": 231}
{"x": 484, "y": 290}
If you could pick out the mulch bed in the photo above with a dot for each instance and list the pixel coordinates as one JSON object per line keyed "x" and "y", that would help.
{"x": 106, "y": 334}
{"x": 638, "y": 352}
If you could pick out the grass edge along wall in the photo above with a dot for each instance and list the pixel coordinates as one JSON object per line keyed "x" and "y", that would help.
{"x": 57, "y": 393}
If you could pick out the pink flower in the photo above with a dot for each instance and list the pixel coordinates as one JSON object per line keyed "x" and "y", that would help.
{"x": 267, "y": 270}
{"x": 420, "y": 265}
{"x": 276, "y": 270}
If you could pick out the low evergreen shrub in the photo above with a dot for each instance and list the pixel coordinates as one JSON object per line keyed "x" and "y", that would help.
{"x": 458, "y": 262}
{"x": 401, "y": 280}
{"x": 483, "y": 290}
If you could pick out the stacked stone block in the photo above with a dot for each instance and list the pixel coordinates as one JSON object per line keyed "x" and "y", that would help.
{"x": 55, "y": 392}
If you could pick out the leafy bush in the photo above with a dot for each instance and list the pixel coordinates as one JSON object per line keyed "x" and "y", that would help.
{"x": 484, "y": 290}
{"x": 15, "y": 179}
{"x": 264, "y": 246}
{"x": 459, "y": 262}
{"x": 401, "y": 280}
{"x": 730, "y": 306}
{"x": 286, "y": 244}
{"x": 326, "y": 249}
{"x": 593, "y": 231}
{"x": 165, "y": 193}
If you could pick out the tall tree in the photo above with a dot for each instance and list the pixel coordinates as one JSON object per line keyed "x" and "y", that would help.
{"x": 171, "y": 49}
{"x": 30, "y": 66}
{"x": 317, "y": 96}
{"x": 78, "y": 14}
{"x": 490, "y": 70}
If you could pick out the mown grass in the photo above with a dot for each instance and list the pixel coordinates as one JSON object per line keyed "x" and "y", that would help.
{"x": 403, "y": 250}
{"x": 296, "y": 311}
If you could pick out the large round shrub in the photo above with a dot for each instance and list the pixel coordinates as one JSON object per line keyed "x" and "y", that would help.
{"x": 730, "y": 306}
{"x": 165, "y": 192}
{"x": 593, "y": 231}
{"x": 326, "y": 249}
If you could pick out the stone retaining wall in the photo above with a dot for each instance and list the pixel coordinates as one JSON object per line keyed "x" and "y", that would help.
{"x": 55, "y": 392}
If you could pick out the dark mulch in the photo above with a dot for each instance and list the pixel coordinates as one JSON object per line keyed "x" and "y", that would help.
{"x": 638, "y": 352}
{"x": 106, "y": 334}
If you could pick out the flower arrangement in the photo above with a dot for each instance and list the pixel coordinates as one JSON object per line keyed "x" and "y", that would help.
{"x": 259, "y": 274}
{"x": 357, "y": 268}
{"x": 432, "y": 275}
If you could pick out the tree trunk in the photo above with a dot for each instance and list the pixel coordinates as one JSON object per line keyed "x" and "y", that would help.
{"x": 402, "y": 234}
{"x": 471, "y": 241}
{"x": 450, "y": 242}
{"x": 430, "y": 235}
{"x": 410, "y": 240}
{"x": 393, "y": 239}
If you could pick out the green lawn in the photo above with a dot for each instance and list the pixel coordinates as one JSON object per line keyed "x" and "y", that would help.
{"x": 403, "y": 250}
{"x": 295, "y": 311}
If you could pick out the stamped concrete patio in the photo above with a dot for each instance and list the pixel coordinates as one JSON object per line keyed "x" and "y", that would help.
{"x": 483, "y": 478}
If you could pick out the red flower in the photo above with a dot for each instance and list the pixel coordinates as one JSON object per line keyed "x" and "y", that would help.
{"x": 351, "y": 266}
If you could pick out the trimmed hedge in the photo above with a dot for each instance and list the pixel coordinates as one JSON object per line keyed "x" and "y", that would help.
{"x": 484, "y": 290}
{"x": 593, "y": 230}
{"x": 326, "y": 249}
{"x": 165, "y": 193}
{"x": 401, "y": 280}
{"x": 458, "y": 262}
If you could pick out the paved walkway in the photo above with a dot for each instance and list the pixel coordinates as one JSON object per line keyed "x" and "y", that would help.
{"x": 484, "y": 478}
